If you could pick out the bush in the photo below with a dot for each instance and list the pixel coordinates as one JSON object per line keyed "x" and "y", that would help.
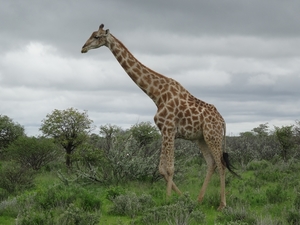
{"x": 124, "y": 161}
{"x": 59, "y": 204}
{"x": 14, "y": 177}
{"x": 74, "y": 215}
{"x": 114, "y": 192}
{"x": 276, "y": 194}
{"x": 62, "y": 196}
{"x": 35, "y": 218}
{"x": 181, "y": 211}
{"x": 268, "y": 175}
{"x": 293, "y": 217}
{"x": 258, "y": 165}
{"x": 3, "y": 194}
{"x": 238, "y": 215}
{"x": 69, "y": 216}
{"x": 9, "y": 132}
{"x": 297, "y": 202}
{"x": 256, "y": 198}
{"x": 131, "y": 205}
{"x": 122, "y": 156}
{"x": 33, "y": 152}
{"x": 9, "y": 207}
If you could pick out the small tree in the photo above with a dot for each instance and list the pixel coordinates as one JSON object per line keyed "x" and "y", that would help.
{"x": 144, "y": 133}
{"x": 9, "y": 131}
{"x": 69, "y": 128}
{"x": 285, "y": 138}
{"x": 297, "y": 132}
{"x": 33, "y": 152}
{"x": 109, "y": 132}
{"x": 261, "y": 130}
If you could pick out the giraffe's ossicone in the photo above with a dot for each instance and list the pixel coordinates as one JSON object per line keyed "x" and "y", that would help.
{"x": 179, "y": 114}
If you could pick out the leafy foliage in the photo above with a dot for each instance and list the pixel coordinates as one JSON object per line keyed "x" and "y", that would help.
{"x": 276, "y": 194}
{"x": 260, "y": 144}
{"x": 100, "y": 187}
{"x": 123, "y": 162}
{"x": 109, "y": 133}
{"x": 69, "y": 128}
{"x": 131, "y": 205}
{"x": 33, "y": 152}
{"x": 14, "y": 177}
{"x": 59, "y": 204}
{"x": 285, "y": 138}
{"x": 239, "y": 215}
{"x": 128, "y": 157}
{"x": 9, "y": 131}
{"x": 181, "y": 211}
{"x": 144, "y": 133}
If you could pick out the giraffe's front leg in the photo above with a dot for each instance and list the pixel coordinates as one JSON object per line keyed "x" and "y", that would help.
{"x": 169, "y": 179}
{"x": 166, "y": 165}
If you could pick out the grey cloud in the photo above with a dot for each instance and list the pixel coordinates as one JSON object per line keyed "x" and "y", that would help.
{"x": 241, "y": 56}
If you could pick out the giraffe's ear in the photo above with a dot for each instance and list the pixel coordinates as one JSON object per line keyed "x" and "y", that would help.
{"x": 101, "y": 26}
{"x": 107, "y": 31}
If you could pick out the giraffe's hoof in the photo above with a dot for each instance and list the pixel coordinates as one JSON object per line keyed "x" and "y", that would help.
{"x": 221, "y": 207}
{"x": 200, "y": 199}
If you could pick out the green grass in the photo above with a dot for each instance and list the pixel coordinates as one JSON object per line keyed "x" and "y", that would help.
{"x": 7, "y": 220}
{"x": 264, "y": 194}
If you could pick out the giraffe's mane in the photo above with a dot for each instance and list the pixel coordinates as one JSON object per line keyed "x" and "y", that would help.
{"x": 149, "y": 69}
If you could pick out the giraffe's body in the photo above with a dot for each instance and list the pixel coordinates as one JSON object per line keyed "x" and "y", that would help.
{"x": 179, "y": 114}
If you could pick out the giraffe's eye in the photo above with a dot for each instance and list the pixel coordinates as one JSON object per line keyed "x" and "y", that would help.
{"x": 96, "y": 37}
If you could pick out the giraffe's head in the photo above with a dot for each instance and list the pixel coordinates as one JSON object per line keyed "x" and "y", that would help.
{"x": 97, "y": 39}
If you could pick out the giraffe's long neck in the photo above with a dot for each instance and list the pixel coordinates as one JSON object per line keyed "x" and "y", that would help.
{"x": 149, "y": 81}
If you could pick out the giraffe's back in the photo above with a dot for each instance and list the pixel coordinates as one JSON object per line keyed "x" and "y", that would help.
{"x": 194, "y": 117}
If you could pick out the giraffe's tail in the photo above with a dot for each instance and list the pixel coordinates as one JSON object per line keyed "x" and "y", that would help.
{"x": 226, "y": 161}
{"x": 228, "y": 164}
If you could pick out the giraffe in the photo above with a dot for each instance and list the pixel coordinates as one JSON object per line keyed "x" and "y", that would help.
{"x": 179, "y": 115}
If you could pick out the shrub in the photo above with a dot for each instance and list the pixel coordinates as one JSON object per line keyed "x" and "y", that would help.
{"x": 9, "y": 207}
{"x": 297, "y": 202}
{"x": 122, "y": 156}
{"x": 276, "y": 194}
{"x": 182, "y": 211}
{"x": 237, "y": 215}
{"x": 35, "y": 218}
{"x": 293, "y": 217}
{"x": 125, "y": 161}
{"x": 14, "y": 177}
{"x": 60, "y": 195}
{"x": 3, "y": 194}
{"x": 68, "y": 216}
{"x": 74, "y": 215}
{"x": 33, "y": 152}
{"x": 233, "y": 223}
{"x": 268, "y": 175}
{"x": 258, "y": 165}
{"x": 9, "y": 132}
{"x": 256, "y": 197}
{"x": 59, "y": 204}
{"x": 269, "y": 221}
{"x": 114, "y": 192}
{"x": 131, "y": 205}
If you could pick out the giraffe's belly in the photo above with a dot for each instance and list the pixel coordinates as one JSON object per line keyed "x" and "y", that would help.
{"x": 189, "y": 132}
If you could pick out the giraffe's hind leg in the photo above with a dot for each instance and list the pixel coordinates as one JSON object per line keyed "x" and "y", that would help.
{"x": 213, "y": 158}
{"x": 210, "y": 169}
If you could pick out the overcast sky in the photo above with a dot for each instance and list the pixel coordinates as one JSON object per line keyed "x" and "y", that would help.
{"x": 241, "y": 56}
